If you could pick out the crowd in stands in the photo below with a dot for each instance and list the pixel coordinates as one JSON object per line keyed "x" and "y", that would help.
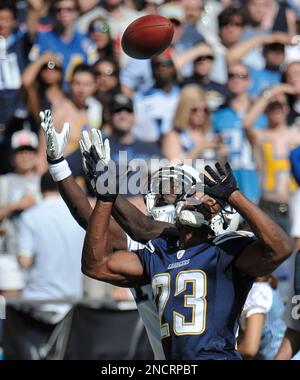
{"x": 226, "y": 89}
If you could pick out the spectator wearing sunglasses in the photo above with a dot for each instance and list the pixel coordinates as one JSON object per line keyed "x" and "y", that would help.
{"x": 107, "y": 84}
{"x": 99, "y": 33}
{"x": 64, "y": 41}
{"x": 228, "y": 122}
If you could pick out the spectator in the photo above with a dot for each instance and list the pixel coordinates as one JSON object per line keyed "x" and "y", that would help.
{"x": 99, "y": 32}
{"x": 14, "y": 59}
{"x": 228, "y": 122}
{"x": 122, "y": 137}
{"x": 108, "y": 83}
{"x": 262, "y": 321}
{"x": 42, "y": 81}
{"x": 231, "y": 23}
{"x": 89, "y": 11}
{"x": 216, "y": 93}
{"x": 19, "y": 191}
{"x": 81, "y": 110}
{"x": 274, "y": 55}
{"x": 155, "y": 108}
{"x": 51, "y": 253}
{"x": 272, "y": 149}
{"x": 122, "y": 140}
{"x": 192, "y": 137}
{"x": 291, "y": 76}
{"x": 265, "y": 17}
{"x": 186, "y": 35}
{"x": 64, "y": 41}
{"x": 270, "y": 16}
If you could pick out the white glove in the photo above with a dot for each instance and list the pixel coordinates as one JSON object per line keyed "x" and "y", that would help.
{"x": 102, "y": 149}
{"x": 56, "y": 142}
{"x": 96, "y": 160}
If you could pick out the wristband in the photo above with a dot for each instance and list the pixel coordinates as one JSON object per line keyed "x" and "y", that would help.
{"x": 60, "y": 170}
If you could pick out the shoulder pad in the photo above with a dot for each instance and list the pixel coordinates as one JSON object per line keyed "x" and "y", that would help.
{"x": 232, "y": 235}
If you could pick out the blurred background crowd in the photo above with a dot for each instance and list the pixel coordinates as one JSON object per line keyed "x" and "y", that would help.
{"x": 227, "y": 89}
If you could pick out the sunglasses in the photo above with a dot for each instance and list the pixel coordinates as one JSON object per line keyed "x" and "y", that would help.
{"x": 274, "y": 106}
{"x": 165, "y": 63}
{"x": 231, "y": 23}
{"x": 199, "y": 109}
{"x": 204, "y": 58}
{"x": 64, "y": 9}
{"x": 237, "y": 76}
{"x": 101, "y": 27}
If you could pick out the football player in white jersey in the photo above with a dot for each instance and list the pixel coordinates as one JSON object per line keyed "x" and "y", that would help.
{"x": 161, "y": 208}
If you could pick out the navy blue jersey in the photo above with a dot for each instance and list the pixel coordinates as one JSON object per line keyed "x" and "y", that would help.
{"x": 199, "y": 294}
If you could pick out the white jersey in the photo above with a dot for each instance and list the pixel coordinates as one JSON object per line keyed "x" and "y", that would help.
{"x": 146, "y": 306}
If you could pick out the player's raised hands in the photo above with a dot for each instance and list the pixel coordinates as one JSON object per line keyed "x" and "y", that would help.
{"x": 98, "y": 166}
{"x": 56, "y": 142}
{"x": 221, "y": 183}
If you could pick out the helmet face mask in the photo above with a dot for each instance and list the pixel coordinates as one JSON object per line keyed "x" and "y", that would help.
{"x": 168, "y": 186}
{"x": 171, "y": 198}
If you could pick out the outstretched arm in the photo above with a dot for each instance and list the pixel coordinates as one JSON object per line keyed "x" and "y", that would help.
{"x": 273, "y": 245}
{"x": 136, "y": 224}
{"x": 239, "y": 50}
{"x": 120, "y": 268}
{"x": 96, "y": 156}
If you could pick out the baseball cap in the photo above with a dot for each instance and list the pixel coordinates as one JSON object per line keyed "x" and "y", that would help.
{"x": 172, "y": 12}
{"x": 119, "y": 102}
{"x": 24, "y": 139}
{"x": 275, "y": 46}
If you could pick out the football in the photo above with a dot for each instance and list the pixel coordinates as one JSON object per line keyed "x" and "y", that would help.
{"x": 147, "y": 36}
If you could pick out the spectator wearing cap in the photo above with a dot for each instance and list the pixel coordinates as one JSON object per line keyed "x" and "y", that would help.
{"x": 19, "y": 190}
{"x": 122, "y": 139}
{"x": 64, "y": 41}
{"x": 99, "y": 32}
{"x": 155, "y": 108}
{"x": 216, "y": 93}
{"x": 271, "y": 75}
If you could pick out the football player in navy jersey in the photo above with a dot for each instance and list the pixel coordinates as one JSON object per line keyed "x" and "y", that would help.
{"x": 200, "y": 281}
